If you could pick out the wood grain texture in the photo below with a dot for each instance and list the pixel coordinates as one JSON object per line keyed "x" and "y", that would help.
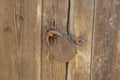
{"x": 54, "y": 14}
{"x": 20, "y": 39}
{"x": 8, "y": 40}
{"x": 28, "y": 22}
{"x": 80, "y": 25}
{"x": 106, "y": 60}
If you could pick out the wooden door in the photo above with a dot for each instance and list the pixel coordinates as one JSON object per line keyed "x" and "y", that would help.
{"x": 94, "y": 24}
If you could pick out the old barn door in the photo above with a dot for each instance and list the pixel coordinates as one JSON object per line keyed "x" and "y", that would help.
{"x": 59, "y": 39}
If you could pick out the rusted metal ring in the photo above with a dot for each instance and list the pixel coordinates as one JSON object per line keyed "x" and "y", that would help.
{"x": 52, "y": 33}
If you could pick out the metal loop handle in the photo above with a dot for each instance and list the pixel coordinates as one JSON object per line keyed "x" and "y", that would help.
{"x": 53, "y": 34}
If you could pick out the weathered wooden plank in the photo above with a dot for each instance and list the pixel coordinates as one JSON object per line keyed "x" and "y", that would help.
{"x": 8, "y": 40}
{"x": 20, "y": 39}
{"x": 54, "y": 15}
{"x": 28, "y": 22}
{"x": 106, "y": 60}
{"x": 81, "y": 22}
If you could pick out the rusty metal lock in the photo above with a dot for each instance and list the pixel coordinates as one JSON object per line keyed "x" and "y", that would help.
{"x": 61, "y": 47}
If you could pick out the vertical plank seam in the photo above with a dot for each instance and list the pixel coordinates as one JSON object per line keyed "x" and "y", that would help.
{"x": 68, "y": 20}
{"x": 92, "y": 43}
{"x": 41, "y": 37}
{"x": 68, "y": 17}
{"x": 66, "y": 75}
{"x": 40, "y": 14}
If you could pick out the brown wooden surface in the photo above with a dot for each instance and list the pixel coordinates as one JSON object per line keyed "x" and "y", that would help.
{"x": 8, "y": 40}
{"x": 28, "y": 21}
{"x": 54, "y": 14}
{"x": 20, "y": 39}
{"x": 106, "y": 55}
{"x": 24, "y": 54}
{"x": 81, "y": 16}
